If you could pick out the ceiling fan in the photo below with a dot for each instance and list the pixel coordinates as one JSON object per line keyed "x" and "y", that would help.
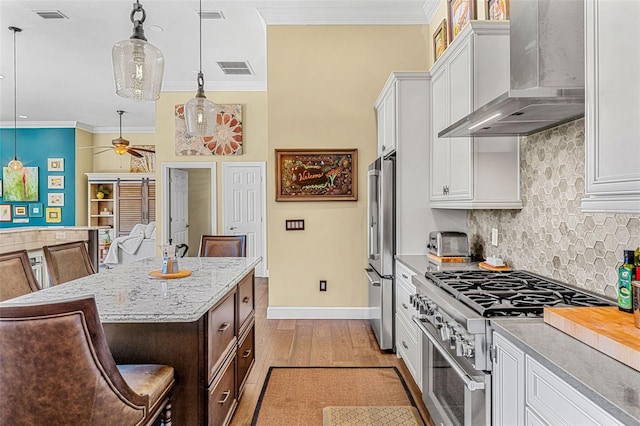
{"x": 121, "y": 145}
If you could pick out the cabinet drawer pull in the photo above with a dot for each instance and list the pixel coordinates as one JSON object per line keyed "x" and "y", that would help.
{"x": 405, "y": 276}
{"x": 246, "y": 299}
{"x": 246, "y": 353}
{"x": 405, "y": 345}
{"x": 226, "y": 396}
{"x": 404, "y": 305}
{"x": 224, "y": 326}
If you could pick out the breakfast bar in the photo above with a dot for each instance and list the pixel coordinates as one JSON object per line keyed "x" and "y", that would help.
{"x": 202, "y": 325}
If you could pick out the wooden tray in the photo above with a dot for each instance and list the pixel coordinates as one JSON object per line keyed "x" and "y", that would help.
{"x": 180, "y": 274}
{"x": 604, "y": 328}
{"x": 485, "y": 265}
{"x": 449, "y": 259}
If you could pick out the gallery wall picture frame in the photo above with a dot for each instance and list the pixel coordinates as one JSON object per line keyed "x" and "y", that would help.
{"x": 497, "y": 10}
{"x": 5, "y": 213}
{"x": 36, "y": 210}
{"x": 55, "y": 164}
{"x": 0, "y": 187}
{"x": 55, "y": 182}
{"x": 459, "y": 12}
{"x": 20, "y": 185}
{"x": 55, "y": 199}
{"x": 316, "y": 174}
{"x": 440, "y": 40}
{"x": 54, "y": 215}
{"x": 20, "y": 211}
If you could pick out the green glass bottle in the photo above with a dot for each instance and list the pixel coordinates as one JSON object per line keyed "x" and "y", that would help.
{"x": 625, "y": 276}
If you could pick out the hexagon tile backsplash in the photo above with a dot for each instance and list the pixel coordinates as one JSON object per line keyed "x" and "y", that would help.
{"x": 550, "y": 235}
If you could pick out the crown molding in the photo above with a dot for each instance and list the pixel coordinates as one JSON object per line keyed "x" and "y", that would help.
{"x": 430, "y": 7}
{"x": 44, "y": 125}
{"x": 102, "y": 130}
{"x": 215, "y": 86}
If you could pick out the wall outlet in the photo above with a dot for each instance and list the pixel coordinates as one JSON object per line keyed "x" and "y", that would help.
{"x": 323, "y": 285}
{"x": 494, "y": 237}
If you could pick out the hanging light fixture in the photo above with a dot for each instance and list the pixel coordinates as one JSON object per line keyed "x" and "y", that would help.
{"x": 120, "y": 144}
{"x": 138, "y": 66}
{"x": 200, "y": 113}
{"x": 15, "y": 164}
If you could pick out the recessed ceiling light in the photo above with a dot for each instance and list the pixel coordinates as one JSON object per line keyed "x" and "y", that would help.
{"x": 22, "y": 116}
{"x": 1, "y": 76}
{"x": 156, "y": 28}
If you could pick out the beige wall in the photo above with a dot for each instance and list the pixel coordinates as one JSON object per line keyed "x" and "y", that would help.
{"x": 200, "y": 193}
{"x": 110, "y": 162}
{"x": 322, "y": 84}
{"x": 84, "y": 164}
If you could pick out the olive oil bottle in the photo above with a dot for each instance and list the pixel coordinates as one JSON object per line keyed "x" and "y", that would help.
{"x": 625, "y": 276}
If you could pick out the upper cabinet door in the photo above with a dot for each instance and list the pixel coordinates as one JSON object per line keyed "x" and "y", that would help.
{"x": 612, "y": 125}
{"x": 386, "y": 114}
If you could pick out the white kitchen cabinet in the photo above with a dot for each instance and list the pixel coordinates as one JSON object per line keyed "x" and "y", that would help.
{"x": 507, "y": 383}
{"x": 386, "y": 119}
{"x": 612, "y": 128}
{"x": 407, "y": 346}
{"x": 472, "y": 172}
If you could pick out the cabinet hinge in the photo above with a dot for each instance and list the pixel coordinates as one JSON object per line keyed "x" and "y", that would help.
{"x": 493, "y": 354}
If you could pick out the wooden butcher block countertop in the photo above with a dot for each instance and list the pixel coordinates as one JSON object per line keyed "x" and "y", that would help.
{"x": 604, "y": 328}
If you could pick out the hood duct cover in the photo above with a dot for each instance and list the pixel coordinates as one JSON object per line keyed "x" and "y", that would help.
{"x": 547, "y": 73}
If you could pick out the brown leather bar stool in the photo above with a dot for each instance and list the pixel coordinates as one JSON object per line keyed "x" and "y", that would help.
{"x": 56, "y": 368}
{"x": 68, "y": 261}
{"x": 223, "y": 246}
{"x": 17, "y": 275}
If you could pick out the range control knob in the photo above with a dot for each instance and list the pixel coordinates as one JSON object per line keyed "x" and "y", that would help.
{"x": 459, "y": 346}
{"x": 469, "y": 351}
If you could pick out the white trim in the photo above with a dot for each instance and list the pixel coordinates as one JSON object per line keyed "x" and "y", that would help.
{"x": 217, "y": 86}
{"x": 125, "y": 130}
{"x": 314, "y": 312}
{"x": 164, "y": 178}
{"x": 430, "y": 7}
{"x": 263, "y": 184}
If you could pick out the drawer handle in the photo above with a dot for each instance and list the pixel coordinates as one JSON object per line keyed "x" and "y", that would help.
{"x": 246, "y": 299}
{"x": 405, "y": 277}
{"x": 224, "y": 326}
{"x": 405, "y": 345}
{"x": 226, "y": 396}
{"x": 246, "y": 353}
{"x": 404, "y": 305}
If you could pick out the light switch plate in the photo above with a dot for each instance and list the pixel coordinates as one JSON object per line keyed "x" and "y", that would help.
{"x": 494, "y": 237}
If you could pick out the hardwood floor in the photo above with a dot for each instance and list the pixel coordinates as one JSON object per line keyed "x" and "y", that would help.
{"x": 311, "y": 343}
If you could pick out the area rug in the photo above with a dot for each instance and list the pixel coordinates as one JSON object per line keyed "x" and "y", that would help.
{"x": 371, "y": 416}
{"x": 294, "y": 396}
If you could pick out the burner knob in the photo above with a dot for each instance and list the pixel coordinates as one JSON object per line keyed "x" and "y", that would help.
{"x": 459, "y": 346}
{"x": 469, "y": 351}
{"x": 437, "y": 319}
{"x": 445, "y": 332}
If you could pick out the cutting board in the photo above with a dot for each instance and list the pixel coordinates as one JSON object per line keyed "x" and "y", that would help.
{"x": 604, "y": 328}
{"x": 448, "y": 259}
{"x": 485, "y": 265}
{"x": 180, "y": 274}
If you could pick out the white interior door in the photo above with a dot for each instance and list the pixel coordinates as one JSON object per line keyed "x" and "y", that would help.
{"x": 179, "y": 216}
{"x": 244, "y": 207}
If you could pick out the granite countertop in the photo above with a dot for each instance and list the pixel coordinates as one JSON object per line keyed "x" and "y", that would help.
{"x": 127, "y": 294}
{"x": 48, "y": 228}
{"x": 610, "y": 384}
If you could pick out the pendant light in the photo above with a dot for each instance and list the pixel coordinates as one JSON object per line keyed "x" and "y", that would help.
{"x": 120, "y": 145}
{"x": 138, "y": 66}
{"x": 200, "y": 113}
{"x": 15, "y": 164}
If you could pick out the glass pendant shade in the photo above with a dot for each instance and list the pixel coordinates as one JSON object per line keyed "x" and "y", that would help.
{"x": 138, "y": 66}
{"x": 200, "y": 116}
{"x": 15, "y": 164}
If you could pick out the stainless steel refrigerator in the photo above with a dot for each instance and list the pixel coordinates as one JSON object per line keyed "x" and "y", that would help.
{"x": 381, "y": 249}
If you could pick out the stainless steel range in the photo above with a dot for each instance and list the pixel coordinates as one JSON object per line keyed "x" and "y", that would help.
{"x": 454, "y": 309}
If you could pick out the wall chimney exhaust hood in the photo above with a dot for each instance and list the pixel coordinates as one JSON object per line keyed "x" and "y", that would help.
{"x": 547, "y": 73}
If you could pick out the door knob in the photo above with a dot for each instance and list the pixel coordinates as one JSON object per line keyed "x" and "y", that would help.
{"x": 232, "y": 228}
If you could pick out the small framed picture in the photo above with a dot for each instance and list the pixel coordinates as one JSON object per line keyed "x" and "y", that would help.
{"x": 440, "y": 40}
{"x": 35, "y": 210}
{"x": 55, "y": 199}
{"x": 55, "y": 182}
{"x": 55, "y": 164}
{"x": 0, "y": 187}
{"x": 497, "y": 10}
{"x": 20, "y": 211}
{"x": 54, "y": 215}
{"x": 459, "y": 12}
{"x": 5, "y": 212}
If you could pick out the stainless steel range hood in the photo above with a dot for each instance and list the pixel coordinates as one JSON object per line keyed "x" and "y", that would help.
{"x": 547, "y": 73}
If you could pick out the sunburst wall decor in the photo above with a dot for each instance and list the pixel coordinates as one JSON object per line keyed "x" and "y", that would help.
{"x": 227, "y": 139}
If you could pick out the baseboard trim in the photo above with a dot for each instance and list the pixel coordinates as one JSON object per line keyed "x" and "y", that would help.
{"x": 294, "y": 312}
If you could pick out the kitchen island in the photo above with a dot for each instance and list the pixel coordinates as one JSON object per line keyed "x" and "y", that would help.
{"x": 202, "y": 325}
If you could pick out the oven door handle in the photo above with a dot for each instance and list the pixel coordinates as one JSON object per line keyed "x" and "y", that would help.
{"x": 374, "y": 282}
{"x": 471, "y": 384}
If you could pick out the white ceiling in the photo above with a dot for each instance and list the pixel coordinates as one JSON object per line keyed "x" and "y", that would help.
{"x": 64, "y": 68}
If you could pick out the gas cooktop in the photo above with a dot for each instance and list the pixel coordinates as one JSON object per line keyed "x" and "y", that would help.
{"x": 511, "y": 293}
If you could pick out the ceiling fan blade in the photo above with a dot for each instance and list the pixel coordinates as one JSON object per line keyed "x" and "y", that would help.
{"x": 142, "y": 149}
{"x": 95, "y": 147}
{"x": 104, "y": 150}
{"x": 135, "y": 154}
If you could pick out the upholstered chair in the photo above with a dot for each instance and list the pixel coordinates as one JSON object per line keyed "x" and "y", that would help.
{"x": 56, "y": 369}
{"x": 223, "y": 246}
{"x": 17, "y": 275}
{"x": 68, "y": 261}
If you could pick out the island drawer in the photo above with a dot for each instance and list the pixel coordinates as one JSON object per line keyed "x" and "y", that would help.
{"x": 246, "y": 302}
{"x": 246, "y": 356}
{"x": 222, "y": 398}
{"x": 221, "y": 333}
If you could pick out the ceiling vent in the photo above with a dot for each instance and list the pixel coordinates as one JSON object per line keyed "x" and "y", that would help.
{"x": 50, "y": 14}
{"x": 235, "y": 68}
{"x": 211, "y": 14}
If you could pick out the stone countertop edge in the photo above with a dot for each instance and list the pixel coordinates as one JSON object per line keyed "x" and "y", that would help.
{"x": 610, "y": 384}
{"x": 127, "y": 295}
{"x": 50, "y": 228}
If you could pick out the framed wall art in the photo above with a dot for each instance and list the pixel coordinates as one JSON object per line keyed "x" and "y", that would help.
{"x": 35, "y": 210}
{"x": 459, "y": 12}
{"x": 54, "y": 215}
{"x": 55, "y": 199}
{"x": 227, "y": 140}
{"x": 440, "y": 40}
{"x": 55, "y": 164}
{"x": 55, "y": 182}
{"x": 0, "y": 187}
{"x": 20, "y": 185}
{"x": 316, "y": 174}
{"x": 5, "y": 212}
{"x": 20, "y": 211}
{"x": 497, "y": 10}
